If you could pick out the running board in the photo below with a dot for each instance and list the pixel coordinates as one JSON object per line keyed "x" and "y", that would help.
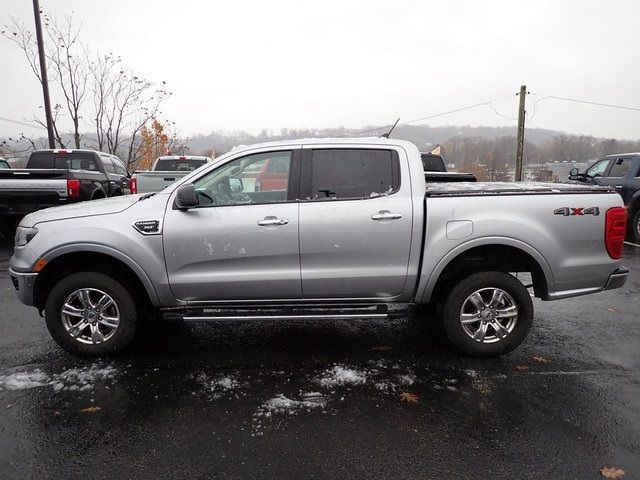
{"x": 281, "y": 313}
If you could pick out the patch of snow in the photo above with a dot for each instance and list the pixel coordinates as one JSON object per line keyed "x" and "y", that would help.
{"x": 219, "y": 385}
{"x": 80, "y": 379}
{"x": 209, "y": 246}
{"x": 282, "y": 405}
{"x": 341, "y": 376}
{"x": 407, "y": 379}
{"x": 24, "y": 380}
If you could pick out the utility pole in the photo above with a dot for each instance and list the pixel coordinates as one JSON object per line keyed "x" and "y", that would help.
{"x": 43, "y": 74}
{"x": 520, "y": 140}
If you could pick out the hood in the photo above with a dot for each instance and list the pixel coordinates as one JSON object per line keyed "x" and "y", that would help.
{"x": 90, "y": 208}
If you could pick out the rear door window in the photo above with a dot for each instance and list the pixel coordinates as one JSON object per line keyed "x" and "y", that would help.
{"x": 620, "y": 167}
{"x": 108, "y": 164}
{"x": 120, "y": 168}
{"x": 353, "y": 173}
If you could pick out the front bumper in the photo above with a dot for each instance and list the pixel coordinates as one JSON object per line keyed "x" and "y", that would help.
{"x": 23, "y": 282}
{"x": 617, "y": 278}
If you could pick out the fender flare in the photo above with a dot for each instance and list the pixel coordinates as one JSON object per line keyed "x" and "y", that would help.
{"x": 111, "y": 252}
{"x": 481, "y": 242}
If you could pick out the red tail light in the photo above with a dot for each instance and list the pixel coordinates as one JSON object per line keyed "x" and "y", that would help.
{"x": 615, "y": 229}
{"x": 73, "y": 188}
{"x": 133, "y": 185}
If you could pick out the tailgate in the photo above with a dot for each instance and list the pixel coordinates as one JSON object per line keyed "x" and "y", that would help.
{"x": 156, "y": 181}
{"x": 24, "y": 191}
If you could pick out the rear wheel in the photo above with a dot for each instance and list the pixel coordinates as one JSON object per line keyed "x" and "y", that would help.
{"x": 488, "y": 314}
{"x": 91, "y": 314}
{"x": 635, "y": 226}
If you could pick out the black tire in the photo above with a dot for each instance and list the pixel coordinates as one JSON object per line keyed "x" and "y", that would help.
{"x": 128, "y": 314}
{"x": 635, "y": 226}
{"x": 463, "y": 290}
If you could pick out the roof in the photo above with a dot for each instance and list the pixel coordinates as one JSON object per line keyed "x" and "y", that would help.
{"x": 82, "y": 150}
{"x": 325, "y": 141}
{"x": 183, "y": 157}
{"x": 621, "y": 154}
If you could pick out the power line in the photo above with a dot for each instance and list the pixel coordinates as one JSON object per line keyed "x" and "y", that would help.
{"x": 588, "y": 102}
{"x": 448, "y": 112}
{"x": 24, "y": 124}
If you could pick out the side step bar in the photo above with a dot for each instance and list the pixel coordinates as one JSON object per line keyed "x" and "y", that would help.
{"x": 280, "y": 313}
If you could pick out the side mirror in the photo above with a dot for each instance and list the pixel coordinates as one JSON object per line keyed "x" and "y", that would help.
{"x": 573, "y": 174}
{"x": 236, "y": 185}
{"x": 186, "y": 197}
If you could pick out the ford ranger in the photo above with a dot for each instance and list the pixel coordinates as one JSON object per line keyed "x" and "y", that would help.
{"x": 353, "y": 231}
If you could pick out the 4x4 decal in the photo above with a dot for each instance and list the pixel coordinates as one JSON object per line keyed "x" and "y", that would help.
{"x": 571, "y": 211}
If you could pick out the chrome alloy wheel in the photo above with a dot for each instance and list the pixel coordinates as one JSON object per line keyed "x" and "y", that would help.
{"x": 488, "y": 315}
{"x": 90, "y": 316}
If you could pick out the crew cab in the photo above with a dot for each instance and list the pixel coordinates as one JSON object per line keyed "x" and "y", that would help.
{"x": 622, "y": 172}
{"x": 58, "y": 177}
{"x": 354, "y": 231}
{"x": 165, "y": 171}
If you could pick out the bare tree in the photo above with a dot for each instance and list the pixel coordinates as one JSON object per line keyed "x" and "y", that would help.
{"x": 123, "y": 104}
{"x": 66, "y": 59}
{"x": 122, "y": 101}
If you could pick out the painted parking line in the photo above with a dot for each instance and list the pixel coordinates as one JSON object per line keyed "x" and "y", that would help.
{"x": 632, "y": 244}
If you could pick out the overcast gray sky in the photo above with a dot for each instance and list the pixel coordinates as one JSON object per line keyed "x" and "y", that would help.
{"x": 251, "y": 65}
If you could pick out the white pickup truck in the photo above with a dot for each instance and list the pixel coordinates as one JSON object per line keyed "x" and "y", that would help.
{"x": 347, "y": 228}
{"x": 165, "y": 171}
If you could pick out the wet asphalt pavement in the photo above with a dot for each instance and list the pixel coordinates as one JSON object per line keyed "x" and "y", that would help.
{"x": 325, "y": 399}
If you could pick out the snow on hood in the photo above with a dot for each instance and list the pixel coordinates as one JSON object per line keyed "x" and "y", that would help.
{"x": 81, "y": 209}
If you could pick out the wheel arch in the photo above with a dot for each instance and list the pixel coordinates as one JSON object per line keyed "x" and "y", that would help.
{"x": 494, "y": 253}
{"x": 98, "y": 258}
{"x": 98, "y": 193}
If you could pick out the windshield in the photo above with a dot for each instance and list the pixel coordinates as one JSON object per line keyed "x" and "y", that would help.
{"x": 177, "y": 165}
{"x": 4, "y": 165}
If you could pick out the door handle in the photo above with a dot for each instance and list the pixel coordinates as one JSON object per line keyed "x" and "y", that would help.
{"x": 617, "y": 186}
{"x": 272, "y": 221}
{"x": 385, "y": 215}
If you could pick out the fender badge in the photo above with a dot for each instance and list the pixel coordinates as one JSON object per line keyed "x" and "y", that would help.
{"x": 577, "y": 211}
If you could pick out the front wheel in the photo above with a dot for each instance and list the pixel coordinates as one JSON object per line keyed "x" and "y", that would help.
{"x": 91, "y": 314}
{"x": 488, "y": 314}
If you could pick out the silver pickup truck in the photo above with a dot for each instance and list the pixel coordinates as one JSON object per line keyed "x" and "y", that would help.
{"x": 165, "y": 171}
{"x": 344, "y": 228}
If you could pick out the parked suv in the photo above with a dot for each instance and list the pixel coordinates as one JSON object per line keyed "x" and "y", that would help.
{"x": 622, "y": 172}
{"x": 58, "y": 177}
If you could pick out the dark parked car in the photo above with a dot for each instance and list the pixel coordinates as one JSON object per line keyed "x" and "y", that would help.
{"x": 58, "y": 177}
{"x": 622, "y": 172}
{"x": 435, "y": 170}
